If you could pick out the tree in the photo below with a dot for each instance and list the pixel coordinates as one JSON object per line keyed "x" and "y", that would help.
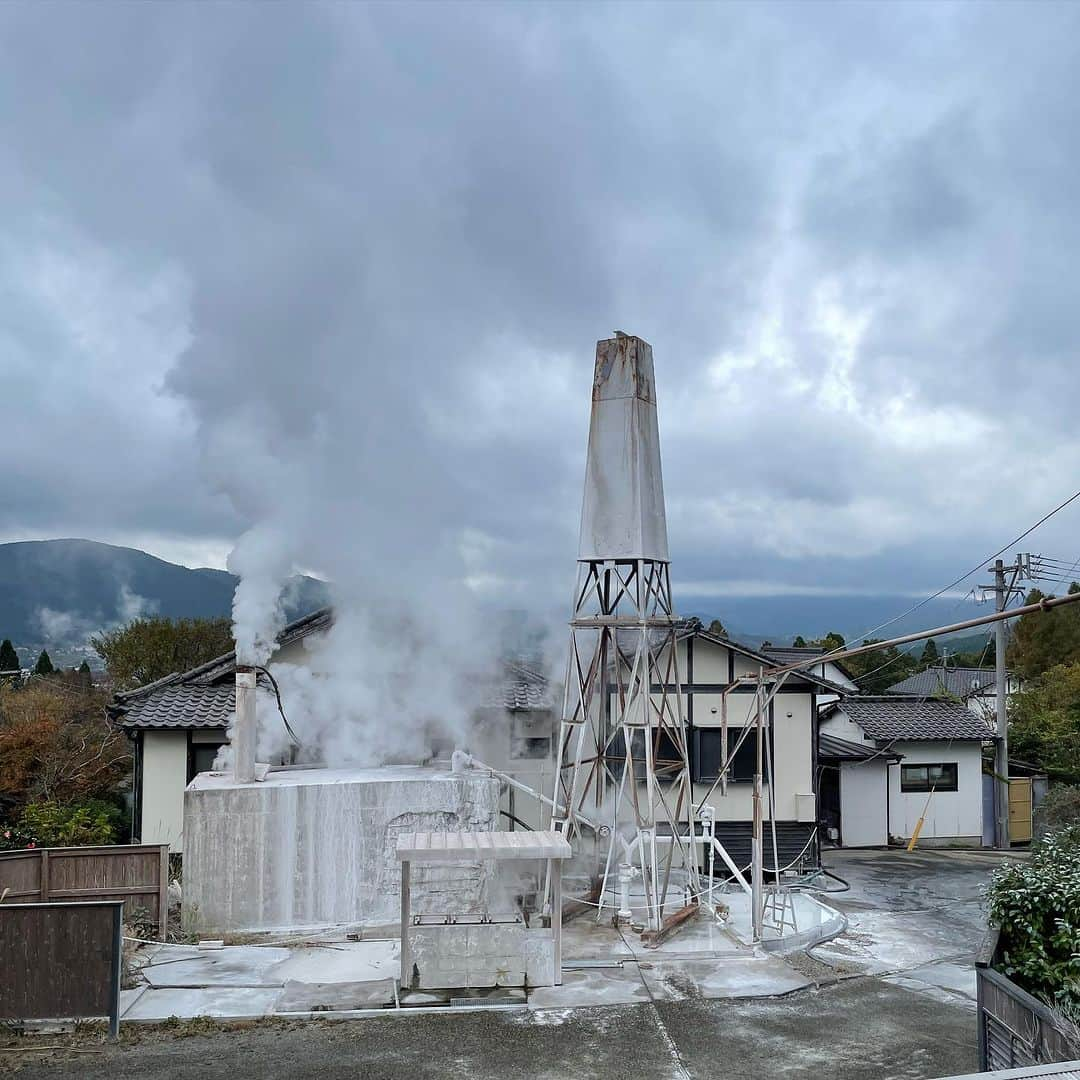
{"x": 832, "y": 640}
{"x": 84, "y": 675}
{"x": 44, "y": 665}
{"x": 717, "y": 627}
{"x": 799, "y": 642}
{"x": 1044, "y": 722}
{"x": 9, "y": 658}
{"x": 58, "y": 745}
{"x": 150, "y": 649}
{"x": 929, "y": 655}
{"x": 1045, "y": 639}
{"x": 875, "y": 672}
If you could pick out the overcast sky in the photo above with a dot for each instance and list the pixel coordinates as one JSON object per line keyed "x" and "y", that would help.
{"x": 238, "y": 242}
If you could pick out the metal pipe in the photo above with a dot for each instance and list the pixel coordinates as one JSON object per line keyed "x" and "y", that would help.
{"x": 508, "y": 779}
{"x": 245, "y": 731}
{"x": 982, "y": 620}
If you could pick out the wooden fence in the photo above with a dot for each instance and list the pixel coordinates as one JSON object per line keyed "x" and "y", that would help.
{"x": 137, "y": 873}
{"x": 61, "y": 961}
{"x": 1015, "y": 1029}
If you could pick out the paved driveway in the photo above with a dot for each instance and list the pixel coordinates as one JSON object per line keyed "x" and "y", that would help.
{"x": 890, "y": 998}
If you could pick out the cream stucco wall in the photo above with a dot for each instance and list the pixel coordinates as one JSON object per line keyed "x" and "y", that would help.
{"x": 164, "y": 777}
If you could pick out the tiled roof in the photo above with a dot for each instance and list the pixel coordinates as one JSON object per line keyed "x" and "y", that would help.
{"x": 183, "y": 705}
{"x": 524, "y": 688}
{"x": 890, "y": 716}
{"x": 959, "y": 682}
{"x": 834, "y": 748}
{"x": 202, "y": 697}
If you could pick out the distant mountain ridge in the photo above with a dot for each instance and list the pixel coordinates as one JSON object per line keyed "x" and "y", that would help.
{"x": 59, "y": 592}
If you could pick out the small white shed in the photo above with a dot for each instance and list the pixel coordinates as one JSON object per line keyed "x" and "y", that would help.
{"x": 928, "y": 756}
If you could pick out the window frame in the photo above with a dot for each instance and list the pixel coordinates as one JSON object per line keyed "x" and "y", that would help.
{"x": 733, "y": 732}
{"x": 926, "y": 785}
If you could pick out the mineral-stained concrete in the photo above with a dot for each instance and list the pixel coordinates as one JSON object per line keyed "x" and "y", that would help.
{"x": 316, "y": 847}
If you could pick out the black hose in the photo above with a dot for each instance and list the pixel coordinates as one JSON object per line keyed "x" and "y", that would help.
{"x": 516, "y": 820}
{"x": 835, "y": 877}
{"x": 280, "y": 707}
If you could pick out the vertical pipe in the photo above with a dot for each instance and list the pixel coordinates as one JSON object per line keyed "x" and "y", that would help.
{"x": 1001, "y": 762}
{"x": 757, "y": 843}
{"x": 406, "y": 960}
{"x": 244, "y": 730}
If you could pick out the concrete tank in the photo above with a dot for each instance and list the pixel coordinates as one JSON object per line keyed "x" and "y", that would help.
{"x": 315, "y": 847}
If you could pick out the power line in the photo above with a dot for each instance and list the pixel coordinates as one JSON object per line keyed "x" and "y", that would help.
{"x": 975, "y": 569}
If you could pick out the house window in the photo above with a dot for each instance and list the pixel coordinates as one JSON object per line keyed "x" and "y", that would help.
{"x": 667, "y": 759}
{"x": 532, "y": 748}
{"x": 929, "y": 777}
{"x": 201, "y": 758}
{"x": 708, "y": 743}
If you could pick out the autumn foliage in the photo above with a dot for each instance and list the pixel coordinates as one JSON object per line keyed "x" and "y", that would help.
{"x": 57, "y": 744}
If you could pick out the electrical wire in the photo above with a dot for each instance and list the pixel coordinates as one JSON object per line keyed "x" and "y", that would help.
{"x": 281, "y": 708}
{"x": 963, "y": 577}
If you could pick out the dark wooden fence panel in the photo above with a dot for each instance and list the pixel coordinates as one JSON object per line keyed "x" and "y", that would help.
{"x": 20, "y": 875}
{"x": 137, "y": 873}
{"x": 61, "y": 961}
{"x": 1016, "y": 1030}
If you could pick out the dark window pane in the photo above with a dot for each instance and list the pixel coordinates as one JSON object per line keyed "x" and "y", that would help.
{"x": 707, "y": 757}
{"x": 943, "y": 777}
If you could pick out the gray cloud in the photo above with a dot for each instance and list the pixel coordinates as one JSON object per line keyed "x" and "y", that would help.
{"x": 345, "y": 264}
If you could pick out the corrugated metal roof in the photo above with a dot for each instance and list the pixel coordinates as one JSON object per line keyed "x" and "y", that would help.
{"x": 889, "y": 716}
{"x": 837, "y": 749}
{"x": 960, "y": 682}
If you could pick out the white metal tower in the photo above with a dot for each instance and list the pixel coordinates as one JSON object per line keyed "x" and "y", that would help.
{"x": 622, "y": 755}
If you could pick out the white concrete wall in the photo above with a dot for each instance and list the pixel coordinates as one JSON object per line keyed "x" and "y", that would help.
{"x": 164, "y": 777}
{"x": 951, "y": 814}
{"x": 863, "y": 803}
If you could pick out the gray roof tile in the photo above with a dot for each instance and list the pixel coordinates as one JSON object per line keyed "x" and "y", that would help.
{"x": 182, "y": 705}
{"x": 890, "y": 716}
{"x": 959, "y": 682}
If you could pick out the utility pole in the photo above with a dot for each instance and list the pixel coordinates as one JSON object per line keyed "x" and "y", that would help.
{"x": 1002, "y": 593}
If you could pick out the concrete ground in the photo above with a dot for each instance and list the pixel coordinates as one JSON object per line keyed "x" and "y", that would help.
{"x": 892, "y": 997}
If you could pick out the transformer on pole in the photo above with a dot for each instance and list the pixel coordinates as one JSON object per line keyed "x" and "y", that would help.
{"x": 622, "y": 754}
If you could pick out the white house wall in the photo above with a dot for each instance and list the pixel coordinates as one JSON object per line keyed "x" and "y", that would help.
{"x": 164, "y": 777}
{"x": 952, "y": 816}
{"x": 863, "y": 803}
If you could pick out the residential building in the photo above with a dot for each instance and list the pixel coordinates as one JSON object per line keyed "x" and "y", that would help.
{"x": 925, "y": 762}
{"x": 180, "y": 723}
{"x": 976, "y": 687}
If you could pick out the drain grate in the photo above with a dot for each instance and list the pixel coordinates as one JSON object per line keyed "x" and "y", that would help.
{"x": 482, "y": 1002}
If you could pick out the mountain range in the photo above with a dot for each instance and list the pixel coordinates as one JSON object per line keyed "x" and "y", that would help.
{"x": 56, "y": 593}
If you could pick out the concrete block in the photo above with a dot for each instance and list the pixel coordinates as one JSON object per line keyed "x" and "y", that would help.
{"x": 540, "y": 957}
{"x": 316, "y": 847}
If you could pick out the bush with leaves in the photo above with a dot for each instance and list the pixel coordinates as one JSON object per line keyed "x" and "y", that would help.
{"x": 1036, "y": 906}
{"x": 16, "y": 838}
{"x": 79, "y": 824}
{"x": 1059, "y": 809}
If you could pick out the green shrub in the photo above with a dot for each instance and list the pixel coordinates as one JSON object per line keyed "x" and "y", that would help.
{"x": 77, "y": 824}
{"x": 1036, "y": 906}
{"x": 1060, "y": 809}
{"x": 16, "y": 838}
